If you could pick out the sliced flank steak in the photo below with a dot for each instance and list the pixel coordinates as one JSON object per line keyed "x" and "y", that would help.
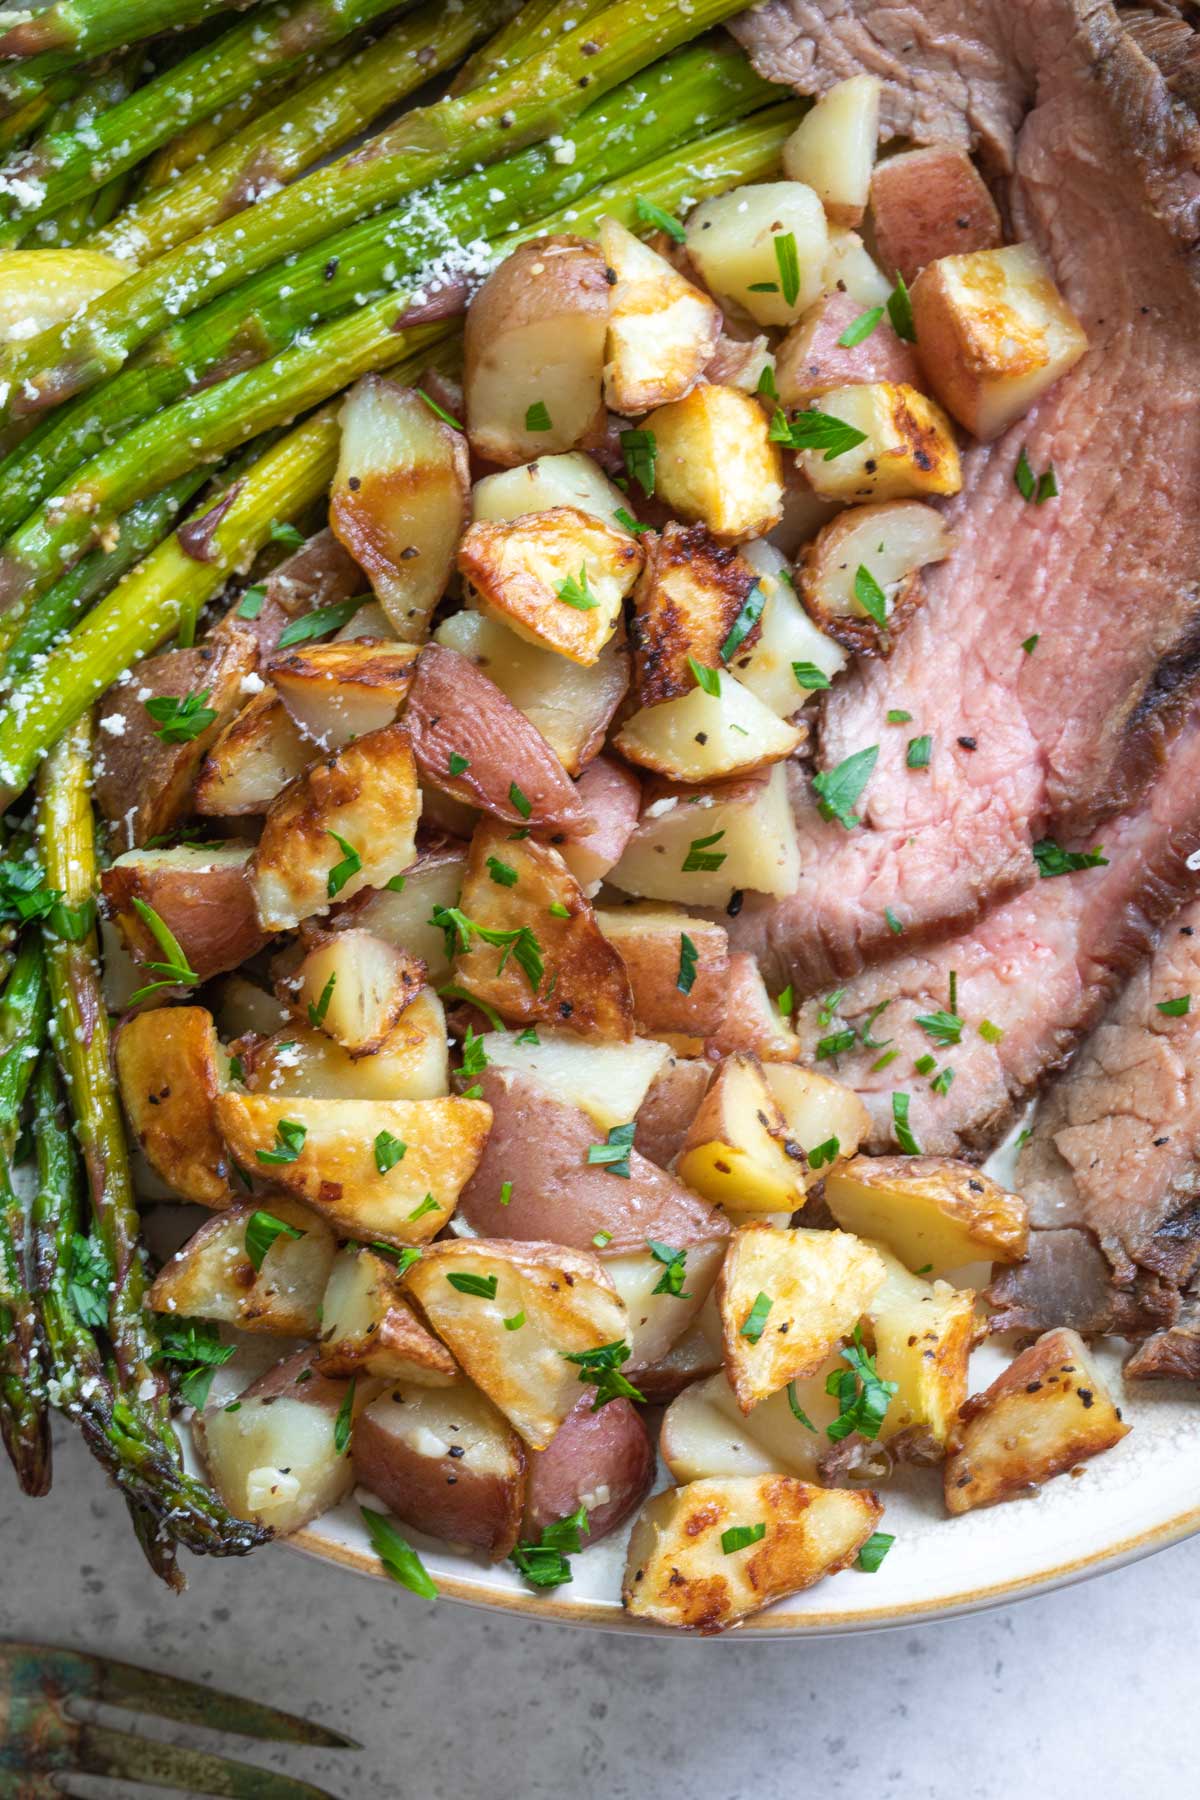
{"x": 1059, "y": 646}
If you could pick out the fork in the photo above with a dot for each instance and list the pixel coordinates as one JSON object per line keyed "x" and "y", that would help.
{"x": 40, "y": 1742}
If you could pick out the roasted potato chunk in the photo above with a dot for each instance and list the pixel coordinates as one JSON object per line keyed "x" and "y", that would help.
{"x": 672, "y": 1102}
{"x": 1047, "y": 1412}
{"x": 924, "y": 1333}
{"x": 779, "y": 664}
{"x": 907, "y": 448}
{"x": 611, "y": 797}
{"x": 716, "y": 462}
{"x": 662, "y": 330}
{"x": 534, "y": 352}
{"x": 819, "y": 1114}
{"x": 752, "y": 1022}
{"x": 354, "y": 986}
{"x": 573, "y": 480}
{"x": 348, "y": 823}
{"x": 400, "y": 498}
{"x": 739, "y": 243}
{"x": 704, "y": 1432}
{"x": 812, "y": 358}
{"x": 868, "y": 551}
{"x": 214, "y": 1276}
{"x": 833, "y": 147}
{"x": 930, "y": 203}
{"x": 713, "y": 733}
{"x": 446, "y": 1462}
{"x": 367, "y": 1326}
{"x": 602, "y": 1461}
{"x": 253, "y": 760}
{"x": 338, "y": 692}
{"x": 564, "y": 1306}
{"x": 402, "y": 912}
{"x": 556, "y": 578}
{"x": 689, "y": 1363}
{"x": 563, "y": 970}
{"x": 202, "y": 894}
{"x": 697, "y": 846}
{"x": 933, "y": 1212}
{"x": 412, "y": 1063}
{"x": 737, "y": 1152}
{"x": 692, "y": 593}
{"x": 816, "y": 1285}
{"x": 699, "y": 1560}
{"x": 678, "y": 967}
{"x": 852, "y": 269}
{"x": 337, "y": 1156}
{"x": 993, "y": 333}
{"x": 607, "y": 1081}
{"x": 171, "y": 1070}
{"x": 659, "y": 1312}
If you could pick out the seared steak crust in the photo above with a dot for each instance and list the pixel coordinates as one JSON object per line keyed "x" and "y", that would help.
{"x": 1099, "y": 159}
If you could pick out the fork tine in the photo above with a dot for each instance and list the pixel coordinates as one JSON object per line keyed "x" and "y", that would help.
{"x": 83, "y": 1677}
{"x": 102, "y": 1751}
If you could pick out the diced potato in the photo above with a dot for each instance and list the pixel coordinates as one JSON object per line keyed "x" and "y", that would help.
{"x": 741, "y": 363}
{"x": 569, "y": 704}
{"x": 747, "y": 824}
{"x": 446, "y": 1462}
{"x": 572, "y": 479}
{"x": 651, "y": 942}
{"x": 367, "y": 1326}
{"x": 993, "y": 333}
{"x": 933, "y": 1212}
{"x": 818, "y": 1111}
{"x": 737, "y": 1152}
{"x": 412, "y": 1063}
{"x": 337, "y": 692}
{"x": 704, "y": 1432}
{"x": 851, "y": 268}
{"x": 692, "y": 593}
{"x": 704, "y": 737}
{"x": 329, "y": 1156}
{"x": 244, "y": 1007}
{"x": 833, "y": 147}
{"x": 556, "y": 578}
{"x": 739, "y": 243}
{"x": 400, "y": 497}
{"x": 672, "y": 1102}
{"x": 253, "y": 760}
{"x": 717, "y": 463}
{"x": 40, "y": 288}
{"x": 603, "y": 1461}
{"x": 1047, "y": 1412}
{"x": 930, "y": 203}
{"x": 907, "y": 449}
{"x": 171, "y": 1069}
{"x": 569, "y": 1307}
{"x": 687, "y": 1364}
{"x": 661, "y": 329}
{"x": 813, "y": 359}
{"x": 581, "y": 983}
{"x": 366, "y": 794}
{"x": 658, "y": 1320}
{"x": 680, "y": 1573}
{"x": 202, "y": 894}
{"x": 607, "y": 1081}
{"x": 610, "y": 793}
{"x": 752, "y": 1021}
{"x": 818, "y": 1283}
{"x": 402, "y": 914}
{"x": 355, "y": 986}
{"x": 534, "y": 352}
{"x": 924, "y": 1333}
{"x": 787, "y": 638}
{"x": 893, "y": 542}
{"x": 274, "y": 1458}
{"x": 214, "y": 1277}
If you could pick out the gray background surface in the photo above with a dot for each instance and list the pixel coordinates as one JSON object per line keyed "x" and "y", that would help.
{"x": 1089, "y": 1690}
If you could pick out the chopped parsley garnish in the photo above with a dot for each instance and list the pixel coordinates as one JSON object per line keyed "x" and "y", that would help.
{"x": 520, "y": 803}
{"x": 898, "y": 716}
{"x": 650, "y": 214}
{"x": 941, "y": 1081}
{"x": 1037, "y": 488}
{"x": 674, "y": 1269}
{"x": 789, "y": 265}
{"x": 1052, "y": 859}
{"x": 537, "y": 417}
{"x": 797, "y": 1410}
{"x": 601, "y": 1368}
{"x": 474, "y": 1054}
{"x": 602, "y": 1239}
{"x": 480, "y": 1287}
{"x": 900, "y": 312}
{"x": 755, "y": 1322}
{"x": 262, "y": 1230}
{"x": 700, "y": 859}
{"x": 740, "y": 1537}
{"x": 813, "y": 430}
{"x": 991, "y": 1034}
{"x": 251, "y": 603}
{"x": 839, "y": 790}
{"x": 748, "y": 617}
{"x": 515, "y": 1322}
{"x": 397, "y": 1555}
{"x": 388, "y": 1151}
{"x": 283, "y": 533}
{"x": 708, "y": 679}
{"x": 821, "y": 1154}
{"x": 860, "y": 328}
{"x": 439, "y": 412}
{"x": 904, "y": 1136}
{"x": 529, "y": 1036}
{"x": 870, "y": 595}
{"x": 320, "y": 622}
{"x": 920, "y": 752}
{"x": 874, "y": 1551}
{"x": 829, "y": 1005}
{"x": 766, "y": 383}
{"x": 893, "y": 923}
{"x": 925, "y": 1065}
{"x": 624, "y": 517}
{"x": 809, "y": 676}
{"x": 403, "y": 1259}
{"x": 688, "y": 957}
{"x": 289, "y": 1141}
{"x": 460, "y": 932}
{"x": 502, "y": 873}
{"x": 458, "y": 764}
{"x": 174, "y": 970}
{"x": 452, "y": 991}
{"x": 943, "y": 1027}
{"x": 785, "y": 1005}
{"x": 1030, "y": 644}
{"x": 505, "y": 1192}
{"x": 836, "y": 1043}
{"x": 862, "y": 1398}
{"x": 341, "y": 872}
{"x": 640, "y": 450}
{"x": 317, "y": 1010}
{"x": 577, "y": 593}
{"x": 179, "y": 721}
{"x": 345, "y": 1419}
{"x": 613, "y": 1154}
{"x": 869, "y": 1042}
{"x": 88, "y": 1281}
{"x": 545, "y": 1564}
{"x": 882, "y": 1062}
{"x": 197, "y": 1351}
{"x": 1176, "y": 1008}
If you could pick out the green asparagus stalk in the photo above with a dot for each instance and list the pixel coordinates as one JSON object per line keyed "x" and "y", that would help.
{"x": 71, "y": 31}
{"x": 79, "y": 114}
{"x": 299, "y": 130}
{"x": 530, "y": 30}
{"x": 67, "y": 165}
{"x": 542, "y": 95}
{"x": 20, "y": 125}
{"x": 207, "y": 137}
{"x": 144, "y": 526}
{"x": 24, "y": 1417}
{"x": 700, "y": 85}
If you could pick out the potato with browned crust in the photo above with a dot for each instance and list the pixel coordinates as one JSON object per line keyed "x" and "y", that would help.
{"x": 201, "y": 893}
{"x": 905, "y": 449}
{"x": 171, "y": 1070}
{"x": 935, "y": 1212}
{"x": 340, "y": 691}
{"x": 279, "y": 1290}
{"x": 737, "y": 1152}
{"x": 367, "y": 1326}
{"x": 662, "y": 330}
{"x": 258, "y": 753}
{"x": 412, "y": 1062}
{"x": 860, "y": 578}
{"x": 717, "y": 464}
{"x": 354, "y": 987}
{"x": 692, "y": 592}
{"x": 699, "y": 846}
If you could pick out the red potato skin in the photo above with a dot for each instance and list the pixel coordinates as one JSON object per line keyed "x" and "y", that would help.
{"x": 930, "y": 203}
{"x": 455, "y": 710}
{"x": 320, "y": 573}
{"x": 669, "y": 1107}
{"x": 610, "y": 1448}
{"x": 284, "y": 1379}
{"x": 437, "y": 1494}
{"x": 751, "y": 1022}
{"x": 210, "y": 911}
{"x": 810, "y": 361}
{"x": 541, "y": 1146}
{"x": 611, "y": 796}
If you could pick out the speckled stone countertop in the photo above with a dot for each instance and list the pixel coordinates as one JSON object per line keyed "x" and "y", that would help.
{"x": 1095, "y": 1684}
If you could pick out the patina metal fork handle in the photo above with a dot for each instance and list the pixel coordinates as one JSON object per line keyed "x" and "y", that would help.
{"x": 39, "y": 1742}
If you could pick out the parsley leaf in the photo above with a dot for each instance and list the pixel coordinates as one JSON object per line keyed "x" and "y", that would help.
{"x": 822, "y": 1154}
{"x": 537, "y": 418}
{"x": 577, "y": 593}
{"x": 1030, "y": 644}
{"x": 1052, "y": 859}
{"x": 520, "y": 803}
{"x": 251, "y": 603}
{"x": 601, "y": 1368}
{"x": 900, "y": 312}
{"x": 458, "y": 764}
{"x": 439, "y": 412}
{"x": 480, "y": 1287}
{"x": 708, "y": 679}
{"x": 700, "y": 859}
{"x": 870, "y": 595}
{"x": 317, "y": 1011}
{"x": 1177, "y": 1008}
{"x": 474, "y": 1055}
{"x": 320, "y": 622}
{"x": 874, "y": 1551}
{"x": 839, "y": 789}
{"x": 740, "y": 1537}
{"x": 860, "y": 328}
{"x": 809, "y": 676}
{"x": 944, "y": 1028}
{"x": 388, "y": 1151}
{"x": 341, "y": 872}
{"x": 283, "y": 533}
{"x": 262, "y": 1229}
{"x": 640, "y": 450}
{"x": 755, "y": 1322}
{"x": 397, "y": 1555}
{"x": 813, "y": 430}
{"x": 502, "y": 873}
{"x": 797, "y": 1410}
{"x": 624, "y": 517}
{"x": 674, "y": 1265}
{"x": 545, "y": 1564}
{"x": 862, "y": 1398}
{"x": 175, "y": 970}
{"x": 748, "y": 616}
{"x": 650, "y": 214}
{"x": 904, "y": 1136}
{"x": 893, "y": 923}
{"x": 920, "y": 752}
{"x": 289, "y": 1141}
{"x": 345, "y": 1419}
{"x": 613, "y": 1154}
{"x": 688, "y": 958}
{"x": 179, "y": 721}
{"x": 789, "y": 265}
